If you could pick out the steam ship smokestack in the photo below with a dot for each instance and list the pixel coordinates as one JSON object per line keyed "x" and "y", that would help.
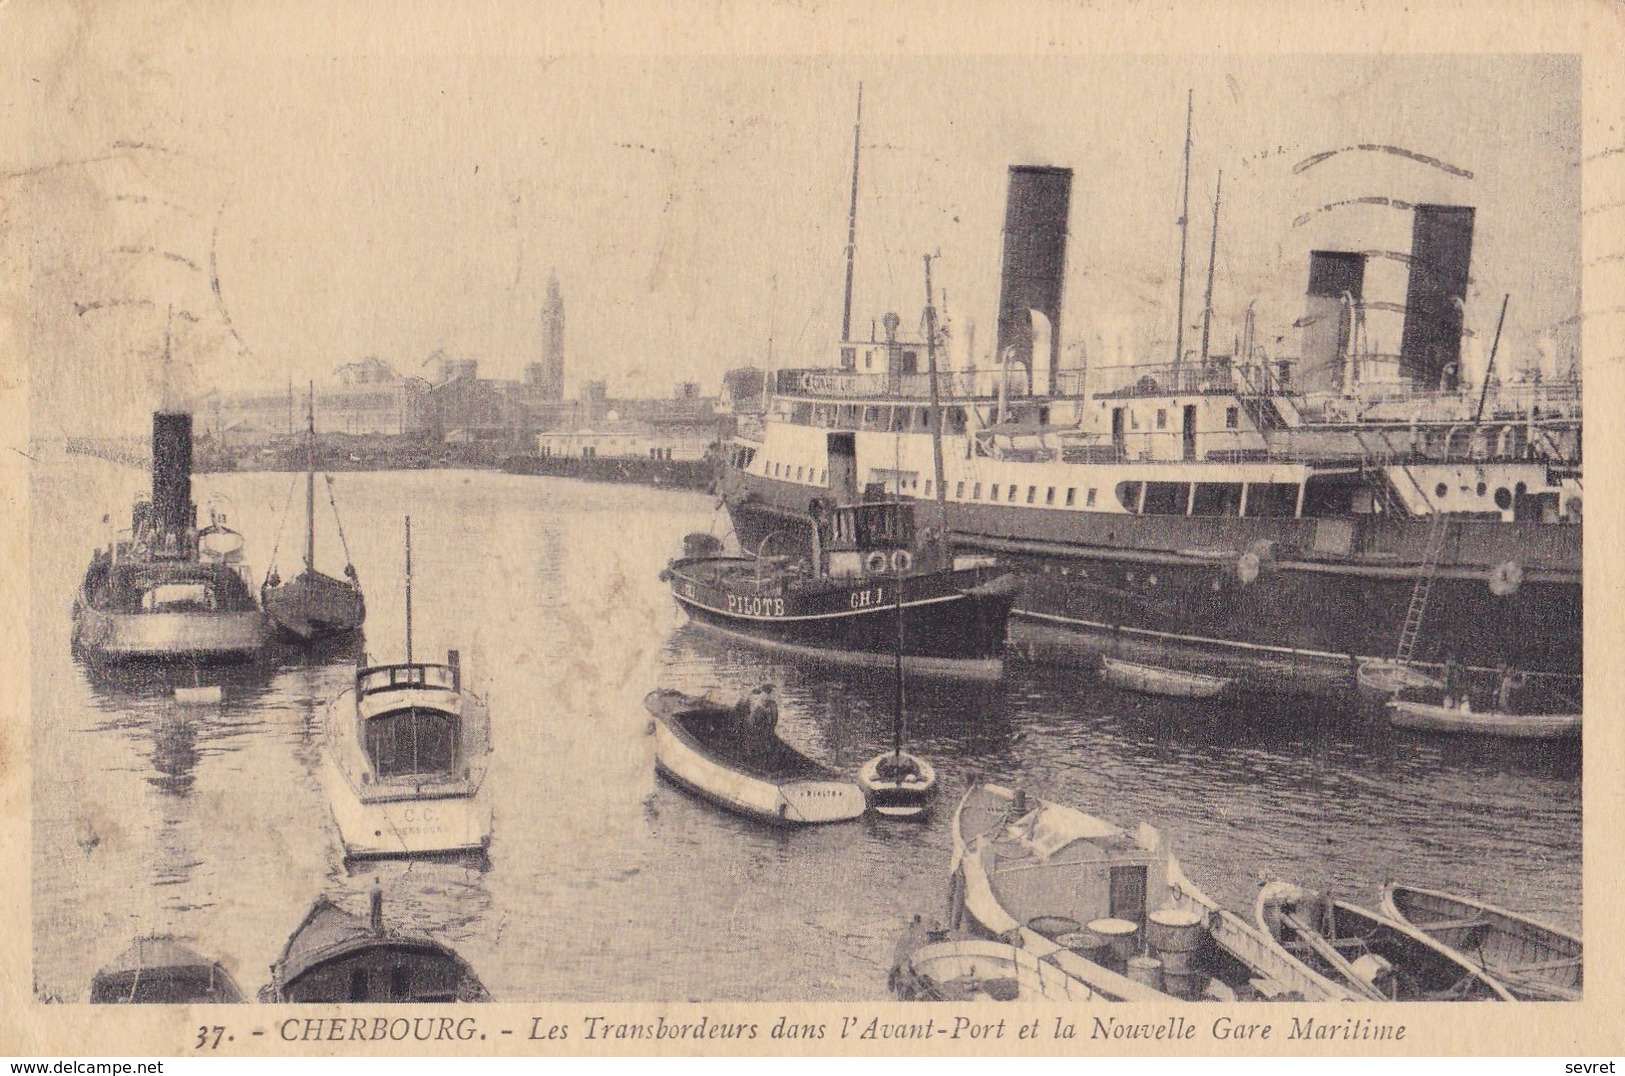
{"x": 1326, "y": 319}
{"x": 1441, "y": 254}
{"x": 172, "y": 472}
{"x": 1035, "y": 219}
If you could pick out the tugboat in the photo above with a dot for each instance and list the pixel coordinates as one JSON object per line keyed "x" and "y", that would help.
{"x": 408, "y": 748}
{"x": 313, "y": 606}
{"x": 167, "y": 590}
{"x": 841, "y": 604}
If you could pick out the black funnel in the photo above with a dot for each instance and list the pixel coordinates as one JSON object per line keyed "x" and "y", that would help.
{"x": 1035, "y": 218}
{"x": 172, "y": 472}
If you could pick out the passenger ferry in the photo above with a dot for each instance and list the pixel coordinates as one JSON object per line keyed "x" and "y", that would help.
{"x": 1226, "y": 515}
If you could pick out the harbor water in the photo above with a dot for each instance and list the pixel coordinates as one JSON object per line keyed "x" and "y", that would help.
{"x": 210, "y": 822}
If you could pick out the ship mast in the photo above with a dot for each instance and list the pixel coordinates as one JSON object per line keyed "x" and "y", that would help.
{"x": 1212, "y": 254}
{"x": 310, "y": 483}
{"x": 852, "y": 224}
{"x": 936, "y": 412}
{"x": 1184, "y": 220}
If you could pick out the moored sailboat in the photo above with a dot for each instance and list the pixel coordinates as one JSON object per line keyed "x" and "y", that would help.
{"x": 313, "y": 605}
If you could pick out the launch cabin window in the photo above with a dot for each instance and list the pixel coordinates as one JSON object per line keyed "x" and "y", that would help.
{"x": 1232, "y": 418}
{"x": 959, "y": 491}
{"x": 956, "y": 420}
{"x": 1128, "y": 495}
{"x": 1049, "y": 495}
{"x": 1162, "y": 418}
{"x": 823, "y": 478}
{"x": 798, "y": 474}
{"x": 1071, "y": 496}
{"x": 1012, "y": 496}
{"x": 1032, "y": 492}
{"x": 928, "y": 488}
{"x": 1090, "y": 500}
{"x": 976, "y": 492}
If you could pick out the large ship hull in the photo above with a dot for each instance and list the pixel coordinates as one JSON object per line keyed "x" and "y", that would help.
{"x": 1278, "y": 604}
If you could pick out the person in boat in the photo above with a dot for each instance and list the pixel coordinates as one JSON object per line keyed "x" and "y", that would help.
{"x": 760, "y": 709}
{"x": 1511, "y": 680}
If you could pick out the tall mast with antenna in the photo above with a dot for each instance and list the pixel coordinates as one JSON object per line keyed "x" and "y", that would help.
{"x": 1184, "y": 220}
{"x": 852, "y": 223}
{"x": 409, "y": 590}
{"x": 1212, "y": 254}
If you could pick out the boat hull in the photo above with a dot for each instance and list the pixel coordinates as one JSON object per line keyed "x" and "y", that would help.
{"x": 1422, "y": 969}
{"x": 973, "y": 969}
{"x": 1405, "y": 714}
{"x": 891, "y": 796}
{"x": 1534, "y": 961}
{"x": 1153, "y": 680}
{"x": 314, "y": 606}
{"x": 408, "y": 826}
{"x": 1288, "y": 605}
{"x": 954, "y": 622}
{"x": 787, "y": 801}
{"x": 98, "y": 634}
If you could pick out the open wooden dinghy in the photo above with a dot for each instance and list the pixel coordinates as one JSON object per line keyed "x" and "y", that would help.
{"x": 1534, "y": 961}
{"x": 931, "y": 966}
{"x": 710, "y": 750}
{"x": 1429, "y": 717}
{"x": 1156, "y": 680}
{"x": 1381, "y": 958}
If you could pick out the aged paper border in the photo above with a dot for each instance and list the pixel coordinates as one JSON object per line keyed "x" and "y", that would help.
{"x": 1595, "y": 29}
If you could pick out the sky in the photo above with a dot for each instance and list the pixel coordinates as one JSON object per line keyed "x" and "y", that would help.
{"x": 286, "y": 206}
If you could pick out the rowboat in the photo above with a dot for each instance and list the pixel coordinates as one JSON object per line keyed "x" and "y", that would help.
{"x": 1382, "y": 959}
{"x": 1403, "y": 713}
{"x": 930, "y": 966}
{"x": 1534, "y": 961}
{"x": 334, "y": 957}
{"x": 1388, "y": 678}
{"x": 1093, "y": 899}
{"x": 898, "y": 784}
{"x": 160, "y": 970}
{"x": 713, "y": 752}
{"x": 1156, "y": 680}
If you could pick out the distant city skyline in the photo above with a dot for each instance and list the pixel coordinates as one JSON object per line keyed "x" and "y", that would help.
{"x": 304, "y": 212}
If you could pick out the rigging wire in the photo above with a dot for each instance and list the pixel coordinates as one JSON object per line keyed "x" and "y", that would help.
{"x": 337, "y": 522}
{"x": 276, "y": 543}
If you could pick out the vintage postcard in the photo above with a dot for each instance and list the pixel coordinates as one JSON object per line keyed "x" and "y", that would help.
{"x": 792, "y": 529}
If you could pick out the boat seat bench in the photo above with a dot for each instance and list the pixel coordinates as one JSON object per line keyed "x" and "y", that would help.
{"x": 1455, "y": 924}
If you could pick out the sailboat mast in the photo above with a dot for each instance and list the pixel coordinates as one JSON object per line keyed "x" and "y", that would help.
{"x": 1184, "y": 221}
{"x": 1212, "y": 254}
{"x": 897, "y": 574}
{"x": 852, "y": 224}
{"x": 310, "y": 482}
{"x": 409, "y": 590}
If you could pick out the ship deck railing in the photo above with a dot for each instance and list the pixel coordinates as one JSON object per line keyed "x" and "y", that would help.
{"x": 959, "y": 386}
